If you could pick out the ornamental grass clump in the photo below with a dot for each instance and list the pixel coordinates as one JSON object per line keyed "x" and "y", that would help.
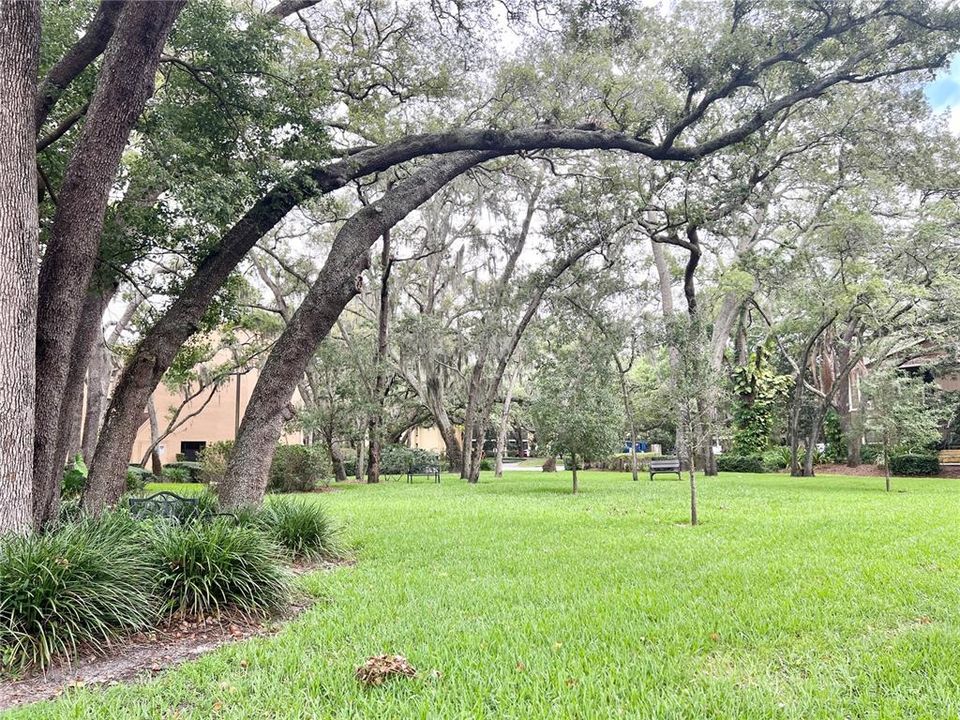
{"x": 207, "y": 567}
{"x": 83, "y": 584}
{"x": 301, "y": 528}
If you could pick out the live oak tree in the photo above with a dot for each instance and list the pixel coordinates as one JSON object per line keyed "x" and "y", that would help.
{"x": 109, "y": 154}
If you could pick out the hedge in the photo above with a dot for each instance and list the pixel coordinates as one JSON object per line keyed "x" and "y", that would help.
{"x": 914, "y": 464}
{"x": 740, "y": 463}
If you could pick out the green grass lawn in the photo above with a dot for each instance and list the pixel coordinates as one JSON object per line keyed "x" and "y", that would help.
{"x": 796, "y": 598}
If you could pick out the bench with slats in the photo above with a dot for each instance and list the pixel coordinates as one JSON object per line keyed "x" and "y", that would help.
{"x": 431, "y": 472}
{"x": 170, "y": 506}
{"x": 665, "y": 466}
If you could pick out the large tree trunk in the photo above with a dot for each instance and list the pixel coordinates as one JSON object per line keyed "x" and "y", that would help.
{"x": 336, "y": 285}
{"x": 19, "y": 49}
{"x": 380, "y": 364}
{"x": 336, "y": 456}
{"x": 125, "y": 82}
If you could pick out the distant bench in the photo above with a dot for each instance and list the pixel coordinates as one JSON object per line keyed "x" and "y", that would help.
{"x": 669, "y": 466}
{"x": 432, "y": 472}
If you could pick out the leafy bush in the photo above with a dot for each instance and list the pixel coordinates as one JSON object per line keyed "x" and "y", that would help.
{"x": 301, "y": 527}
{"x": 175, "y": 475}
{"x": 74, "y": 477}
{"x": 914, "y": 464}
{"x": 776, "y": 458}
{"x": 186, "y": 469}
{"x": 213, "y": 461}
{"x": 486, "y": 464}
{"x": 398, "y": 459}
{"x": 740, "y": 463}
{"x": 138, "y": 477}
{"x": 298, "y": 468}
{"x": 206, "y": 567}
{"x": 83, "y": 584}
{"x": 350, "y": 467}
{"x": 870, "y": 454}
{"x": 550, "y": 464}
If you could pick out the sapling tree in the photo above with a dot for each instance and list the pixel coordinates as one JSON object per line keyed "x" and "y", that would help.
{"x": 898, "y": 409}
{"x": 577, "y": 410}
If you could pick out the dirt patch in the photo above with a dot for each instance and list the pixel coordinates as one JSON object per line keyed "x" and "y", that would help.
{"x": 946, "y": 471}
{"x": 144, "y": 654}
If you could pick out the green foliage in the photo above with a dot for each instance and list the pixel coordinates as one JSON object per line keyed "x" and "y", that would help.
{"x": 301, "y": 527}
{"x": 207, "y": 567}
{"x": 400, "y": 459}
{"x": 758, "y": 390}
{"x": 213, "y": 462}
{"x": 741, "y": 463}
{"x": 576, "y": 406}
{"x": 173, "y": 474}
{"x": 870, "y": 453}
{"x": 776, "y": 458}
{"x": 914, "y": 465}
{"x": 138, "y": 477}
{"x": 486, "y": 464}
{"x": 83, "y": 584}
{"x": 298, "y": 468}
{"x": 74, "y": 477}
{"x": 188, "y": 469}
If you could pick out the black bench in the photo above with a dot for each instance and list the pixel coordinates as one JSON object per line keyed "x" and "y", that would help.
{"x": 170, "y": 506}
{"x": 433, "y": 472}
{"x": 667, "y": 466}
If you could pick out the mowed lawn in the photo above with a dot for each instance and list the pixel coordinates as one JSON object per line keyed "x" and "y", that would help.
{"x": 813, "y": 598}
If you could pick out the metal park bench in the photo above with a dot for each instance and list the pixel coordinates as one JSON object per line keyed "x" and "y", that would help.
{"x": 170, "y": 506}
{"x": 667, "y": 466}
{"x": 433, "y": 472}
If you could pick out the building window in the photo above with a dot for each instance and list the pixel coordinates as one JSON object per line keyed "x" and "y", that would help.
{"x": 191, "y": 449}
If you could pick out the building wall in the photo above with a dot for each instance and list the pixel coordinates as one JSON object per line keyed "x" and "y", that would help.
{"x": 215, "y": 419}
{"x": 429, "y": 438}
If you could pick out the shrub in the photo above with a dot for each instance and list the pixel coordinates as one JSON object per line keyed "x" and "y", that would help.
{"x": 213, "y": 461}
{"x": 82, "y": 584}
{"x": 300, "y": 527}
{"x": 870, "y": 454}
{"x": 186, "y": 469}
{"x": 207, "y": 567}
{"x": 138, "y": 477}
{"x": 398, "y": 459}
{"x": 914, "y": 464}
{"x": 550, "y": 464}
{"x": 175, "y": 475}
{"x": 776, "y": 458}
{"x": 486, "y": 464}
{"x": 350, "y": 467}
{"x": 74, "y": 478}
{"x": 740, "y": 463}
{"x": 298, "y": 468}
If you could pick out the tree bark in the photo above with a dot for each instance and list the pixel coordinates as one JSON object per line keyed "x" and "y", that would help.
{"x": 573, "y": 459}
{"x": 375, "y": 429}
{"x": 336, "y": 285}
{"x": 156, "y": 464}
{"x": 98, "y": 390}
{"x": 19, "y": 53}
{"x": 125, "y": 82}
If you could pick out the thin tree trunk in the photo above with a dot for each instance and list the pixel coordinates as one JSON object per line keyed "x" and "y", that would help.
{"x": 691, "y": 470}
{"x": 380, "y": 360}
{"x": 156, "y": 464}
{"x": 19, "y": 52}
{"x": 336, "y": 456}
{"x": 98, "y": 389}
{"x": 125, "y": 82}
{"x": 336, "y": 285}
{"x": 504, "y": 426}
{"x": 886, "y": 462}
{"x": 359, "y": 468}
{"x": 573, "y": 459}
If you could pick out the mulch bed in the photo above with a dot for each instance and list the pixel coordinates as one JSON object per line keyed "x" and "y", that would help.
{"x": 144, "y": 655}
{"x": 946, "y": 471}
